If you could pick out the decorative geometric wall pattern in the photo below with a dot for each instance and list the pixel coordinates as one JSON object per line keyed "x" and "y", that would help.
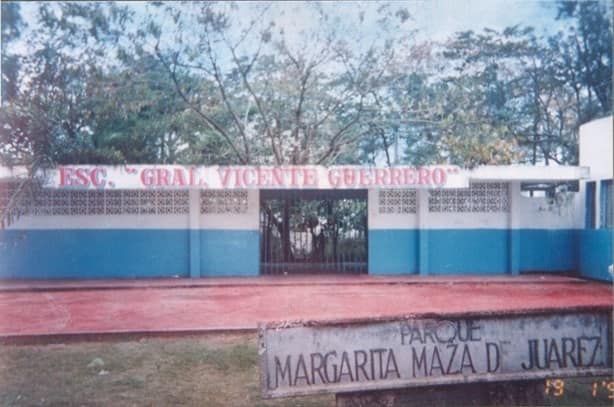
{"x": 7, "y": 189}
{"x": 397, "y": 201}
{"x": 479, "y": 197}
{"x": 223, "y": 201}
{"x": 48, "y": 202}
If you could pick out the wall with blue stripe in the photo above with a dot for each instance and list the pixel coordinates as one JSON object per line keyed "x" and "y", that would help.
{"x": 125, "y": 253}
{"x": 467, "y": 251}
{"x": 472, "y": 251}
{"x": 89, "y": 253}
{"x": 595, "y": 253}
{"x": 393, "y": 251}
{"x": 532, "y": 236}
{"x": 546, "y": 250}
{"x": 229, "y": 253}
{"x": 207, "y": 247}
{"x": 133, "y": 246}
{"x": 128, "y": 253}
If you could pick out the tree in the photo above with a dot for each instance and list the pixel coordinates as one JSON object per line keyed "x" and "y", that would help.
{"x": 51, "y": 116}
{"x": 516, "y": 104}
{"x": 276, "y": 101}
{"x": 589, "y": 43}
{"x": 12, "y": 24}
{"x": 215, "y": 87}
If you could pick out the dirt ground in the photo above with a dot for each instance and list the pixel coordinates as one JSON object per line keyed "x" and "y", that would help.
{"x": 206, "y": 370}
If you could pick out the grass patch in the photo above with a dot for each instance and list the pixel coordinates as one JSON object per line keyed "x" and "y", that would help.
{"x": 212, "y": 370}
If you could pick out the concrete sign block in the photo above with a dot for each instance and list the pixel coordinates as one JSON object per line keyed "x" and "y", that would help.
{"x": 309, "y": 358}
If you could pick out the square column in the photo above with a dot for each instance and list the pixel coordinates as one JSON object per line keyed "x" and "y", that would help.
{"x": 423, "y": 250}
{"x": 514, "y": 229}
{"x": 194, "y": 224}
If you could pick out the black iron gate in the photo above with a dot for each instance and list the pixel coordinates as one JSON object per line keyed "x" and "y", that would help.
{"x": 313, "y": 231}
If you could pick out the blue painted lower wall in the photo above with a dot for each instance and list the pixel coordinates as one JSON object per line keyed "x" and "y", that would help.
{"x": 229, "y": 253}
{"x": 127, "y": 253}
{"x": 393, "y": 251}
{"x": 467, "y": 251}
{"x": 546, "y": 250}
{"x": 595, "y": 253}
{"x": 473, "y": 251}
{"x": 90, "y": 254}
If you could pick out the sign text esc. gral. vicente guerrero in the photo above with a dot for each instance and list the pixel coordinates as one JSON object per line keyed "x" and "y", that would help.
{"x": 253, "y": 177}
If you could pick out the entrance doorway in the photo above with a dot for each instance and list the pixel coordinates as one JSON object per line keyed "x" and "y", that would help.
{"x": 313, "y": 231}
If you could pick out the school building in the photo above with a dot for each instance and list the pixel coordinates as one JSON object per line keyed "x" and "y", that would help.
{"x": 156, "y": 221}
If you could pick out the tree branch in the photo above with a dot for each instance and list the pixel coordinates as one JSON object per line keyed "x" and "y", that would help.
{"x": 334, "y": 142}
{"x": 208, "y": 120}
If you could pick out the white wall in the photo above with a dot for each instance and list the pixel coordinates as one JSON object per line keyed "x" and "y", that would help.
{"x": 467, "y": 220}
{"x": 101, "y": 222}
{"x": 462, "y": 220}
{"x": 431, "y": 220}
{"x": 524, "y": 212}
{"x": 543, "y": 213}
{"x": 531, "y": 213}
{"x": 388, "y": 220}
{"x": 596, "y": 148}
{"x": 243, "y": 221}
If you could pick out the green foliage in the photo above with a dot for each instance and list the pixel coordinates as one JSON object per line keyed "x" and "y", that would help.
{"x": 51, "y": 117}
{"x": 101, "y": 84}
{"x": 591, "y": 58}
{"x": 11, "y": 26}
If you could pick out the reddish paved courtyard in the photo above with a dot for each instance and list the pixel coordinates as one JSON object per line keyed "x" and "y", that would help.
{"x": 178, "y": 306}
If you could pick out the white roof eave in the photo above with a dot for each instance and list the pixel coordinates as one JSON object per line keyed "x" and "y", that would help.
{"x": 528, "y": 173}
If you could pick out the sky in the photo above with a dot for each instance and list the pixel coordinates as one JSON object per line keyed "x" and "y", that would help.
{"x": 438, "y": 19}
{"x": 434, "y": 20}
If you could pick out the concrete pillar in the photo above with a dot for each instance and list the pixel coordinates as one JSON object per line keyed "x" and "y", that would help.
{"x": 194, "y": 224}
{"x": 423, "y": 225}
{"x": 514, "y": 229}
{"x": 598, "y": 203}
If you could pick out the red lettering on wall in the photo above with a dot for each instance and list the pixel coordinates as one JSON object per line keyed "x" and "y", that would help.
{"x": 310, "y": 177}
{"x": 82, "y": 177}
{"x": 147, "y": 177}
{"x": 163, "y": 176}
{"x": 439, "y": 176}
{"x": 349, "y": 178}
{"x": 410, "y": 176}
{"x": 263, "y": 177}
{"x": 249, "y": 178}
{"x": 178, "y": 179}
{"x": 396, "y": 177}
{"x": 224, "y": 174}
{"x": 423, "y": 176}
{"x": 256, "y": 177}
{"x": 65, "y": 176}
{"x": 277, "y": 177}
{"x": 293, "y": 177}
{"x": 364, "y": 177}
{"x": 381, "y": 176}
{"x": 98, "y": 176}
{"x": 191, "y": 179}
{"x": 334, "y": 178}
